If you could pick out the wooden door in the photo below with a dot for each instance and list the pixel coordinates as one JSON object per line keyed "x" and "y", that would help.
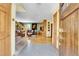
{"x": 5, "y": 25}
{"x": 55, "y": 28}
{"x": 69, "y": 42}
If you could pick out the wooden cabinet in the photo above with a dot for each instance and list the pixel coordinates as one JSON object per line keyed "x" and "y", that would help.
{"x": 5, "y": 25}
{"x": 70, "y": 21}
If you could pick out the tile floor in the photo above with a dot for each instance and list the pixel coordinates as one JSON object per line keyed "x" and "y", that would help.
{"x": 39, "y": 50}
{"x": 39, "y": 46}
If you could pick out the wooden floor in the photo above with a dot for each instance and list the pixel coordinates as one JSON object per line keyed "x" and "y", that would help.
{"x": 39, "y": 39}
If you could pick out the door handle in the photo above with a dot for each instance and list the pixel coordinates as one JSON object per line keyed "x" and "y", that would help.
{"x": 61, "y": 40}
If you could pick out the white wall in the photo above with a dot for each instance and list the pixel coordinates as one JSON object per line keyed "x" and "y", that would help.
{"x": 13, "y": 14}
{"x": 28, "y": 26}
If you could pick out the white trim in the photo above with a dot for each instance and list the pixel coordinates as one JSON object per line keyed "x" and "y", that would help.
{"x": 13, "y": 14}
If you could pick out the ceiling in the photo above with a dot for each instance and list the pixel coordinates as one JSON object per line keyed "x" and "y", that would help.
{"x": 35, "y": 12}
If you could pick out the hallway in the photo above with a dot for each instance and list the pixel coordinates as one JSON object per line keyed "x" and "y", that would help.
{"x": 39, "y": 29}
{"x": 39, "y": 50}
{"x": 34, "y": 30}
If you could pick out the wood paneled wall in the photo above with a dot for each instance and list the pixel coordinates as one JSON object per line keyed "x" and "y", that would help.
{"x": 70, "y": 25}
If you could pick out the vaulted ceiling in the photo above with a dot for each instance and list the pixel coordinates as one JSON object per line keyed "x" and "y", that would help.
{"x": 35, "y": 12}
